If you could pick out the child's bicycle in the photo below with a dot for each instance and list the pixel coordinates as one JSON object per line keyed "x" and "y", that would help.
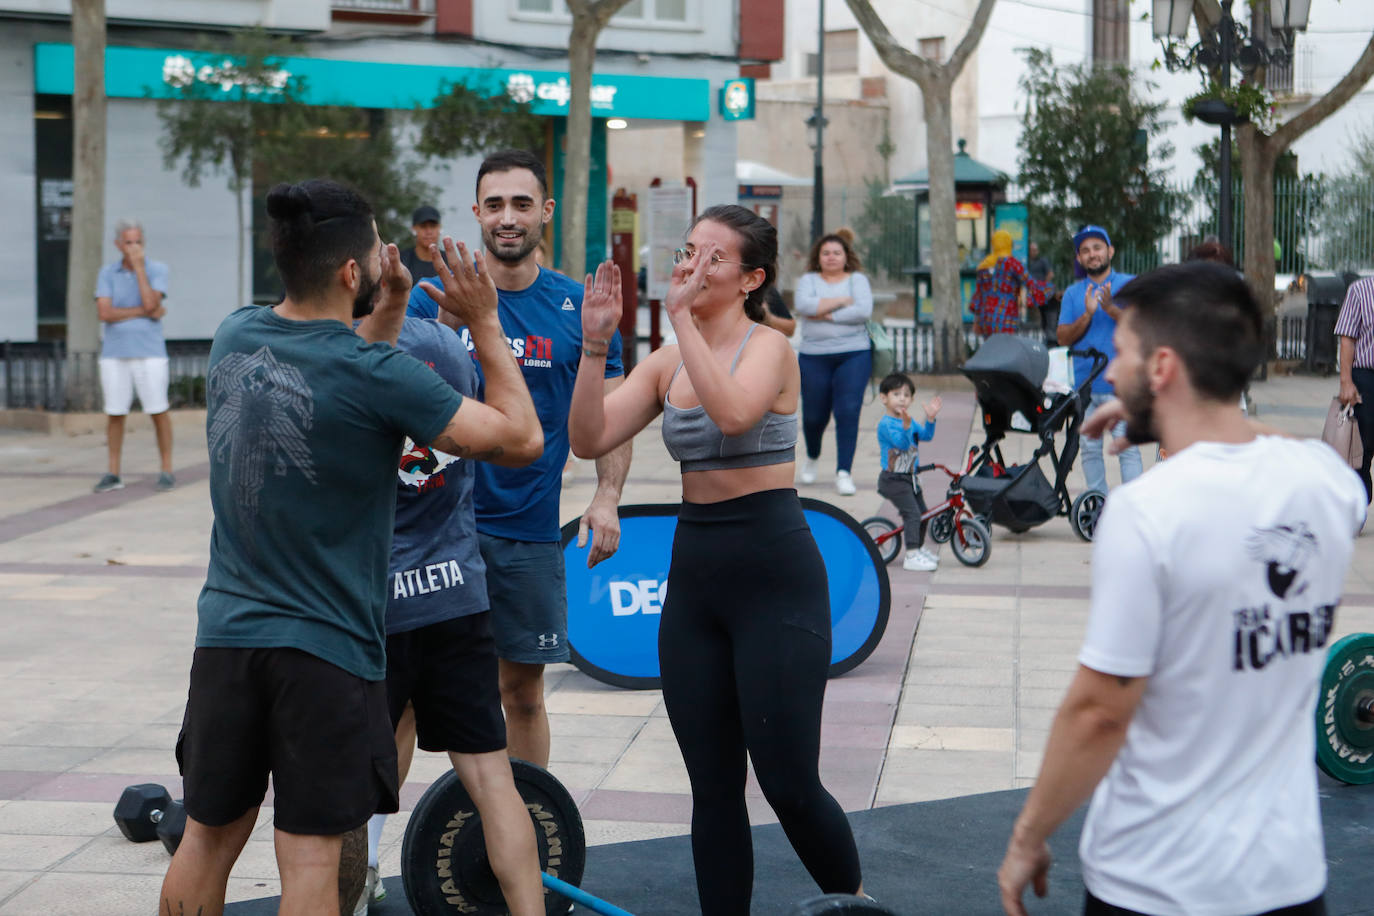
{"x": 951, "y": 521}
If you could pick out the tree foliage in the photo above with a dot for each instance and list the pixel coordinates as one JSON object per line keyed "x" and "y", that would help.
{"x": 886, "y": 231}
{"x": 469, "y": 120}
{"x": 1345, "y": 223}
{"x": 1092, "y": 151}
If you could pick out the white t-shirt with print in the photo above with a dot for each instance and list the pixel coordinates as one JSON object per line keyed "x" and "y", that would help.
{"x": 1216, "y": 575}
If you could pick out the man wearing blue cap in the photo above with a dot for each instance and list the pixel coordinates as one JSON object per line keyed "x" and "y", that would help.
{"x": 1087, "y": 320}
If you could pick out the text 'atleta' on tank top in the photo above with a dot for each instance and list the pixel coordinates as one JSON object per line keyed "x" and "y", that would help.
{"x": 694, "y": 440}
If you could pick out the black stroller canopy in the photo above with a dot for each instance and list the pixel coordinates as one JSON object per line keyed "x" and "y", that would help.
{"x": 1010, "y": 357}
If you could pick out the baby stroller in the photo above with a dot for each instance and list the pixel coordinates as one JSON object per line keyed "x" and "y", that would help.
{"x": 1008, "y": 373}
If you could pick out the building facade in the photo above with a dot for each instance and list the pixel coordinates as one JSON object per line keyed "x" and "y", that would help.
{"x": 659, "y": 62}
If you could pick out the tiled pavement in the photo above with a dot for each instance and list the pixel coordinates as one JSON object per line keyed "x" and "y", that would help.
{"x": 97, "y": 600}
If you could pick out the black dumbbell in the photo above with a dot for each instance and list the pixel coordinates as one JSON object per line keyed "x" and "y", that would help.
{"x": 139, "y": 811}
{"x": 146, "y": 812}
{"x": 171, "y": 827}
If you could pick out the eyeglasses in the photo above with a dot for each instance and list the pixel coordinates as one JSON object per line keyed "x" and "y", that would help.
{"x": 687, "y": 254}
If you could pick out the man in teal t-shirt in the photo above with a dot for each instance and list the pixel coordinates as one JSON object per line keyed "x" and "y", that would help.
{"x": 305, "y": 424}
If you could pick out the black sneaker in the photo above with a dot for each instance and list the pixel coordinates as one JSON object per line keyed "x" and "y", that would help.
{"x": 165, "y": 481}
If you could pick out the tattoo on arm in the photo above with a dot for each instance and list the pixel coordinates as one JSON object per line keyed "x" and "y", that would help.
{"x": 453, "y": 447}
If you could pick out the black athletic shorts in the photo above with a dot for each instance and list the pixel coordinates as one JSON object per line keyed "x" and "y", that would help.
{"x": 322, "y": 733}
{"x": 1093, "y": 906}
{"x": 449, "y": 673}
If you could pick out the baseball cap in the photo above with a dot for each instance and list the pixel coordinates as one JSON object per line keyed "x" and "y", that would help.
{"x": 1088, "y": 232}
{"x": 424, "y": 214}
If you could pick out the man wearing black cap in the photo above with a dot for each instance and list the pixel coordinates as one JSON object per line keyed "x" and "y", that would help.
{"x": 1087, "y": 320}
{"x": 424, "y": 222}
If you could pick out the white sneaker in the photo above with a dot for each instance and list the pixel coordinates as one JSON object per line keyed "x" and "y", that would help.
{"x": 918, "y": 562}
{"x": 373, "y": 890}
{"x": 929, "y": 555}
{"x": 808, "y": 471}
{"x": 844, "y": 484}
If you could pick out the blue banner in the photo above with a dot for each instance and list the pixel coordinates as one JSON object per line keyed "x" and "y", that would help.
{"x": 614, "y": 608}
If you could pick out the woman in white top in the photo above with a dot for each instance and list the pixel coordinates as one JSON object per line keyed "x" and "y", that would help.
{"x": 835, "y": 356}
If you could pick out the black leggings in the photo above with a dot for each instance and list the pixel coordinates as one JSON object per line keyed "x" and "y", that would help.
{"x": 1364, "y": 417}
{"x": 744, "y": 651}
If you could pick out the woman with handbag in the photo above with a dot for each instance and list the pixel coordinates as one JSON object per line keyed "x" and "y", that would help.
{"x": 835, "y": 356}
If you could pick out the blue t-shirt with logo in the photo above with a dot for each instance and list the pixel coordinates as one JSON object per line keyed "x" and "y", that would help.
{"x": 437, "y": 571}
{"x": 1100, "y": 330}
{"x": 543, "y": 324}
{"x": 304, "y": 426}
{"x": 133, "y": 337}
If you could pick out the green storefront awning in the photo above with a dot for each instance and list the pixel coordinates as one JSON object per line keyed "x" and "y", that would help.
{"x": 137, "y": 73}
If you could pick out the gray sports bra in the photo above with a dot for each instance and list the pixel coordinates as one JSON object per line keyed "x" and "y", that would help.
{"x": 695, "y": 441}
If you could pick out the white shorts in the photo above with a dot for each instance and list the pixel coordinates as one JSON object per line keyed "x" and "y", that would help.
{"x": 120, "y": 377}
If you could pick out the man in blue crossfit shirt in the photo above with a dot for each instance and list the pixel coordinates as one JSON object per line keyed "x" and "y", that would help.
{"x": 517, "y": 509}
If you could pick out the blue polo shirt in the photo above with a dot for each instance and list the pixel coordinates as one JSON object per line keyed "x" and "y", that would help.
{"x": 1100, "y": 331}
{"x": 543, "y": 325}
{"x": 135, "y": 337}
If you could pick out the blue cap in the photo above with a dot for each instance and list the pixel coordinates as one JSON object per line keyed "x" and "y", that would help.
{"x": 1088, "y": 232}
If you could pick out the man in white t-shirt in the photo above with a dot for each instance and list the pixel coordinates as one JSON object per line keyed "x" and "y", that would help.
{"x": 1216, "y": 578}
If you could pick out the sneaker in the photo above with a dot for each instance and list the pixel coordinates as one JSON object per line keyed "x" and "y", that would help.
{"x": 369, "y": 894}
{"x": 378, "y": 888}
{"x": 928, "y": 555}
{"x": 917, "y": 562}
{"x": 808, "y": 471}
{"x": 107, "y": 483}
{"x": 165, "y": 481}
{"x": 844, "y": 484}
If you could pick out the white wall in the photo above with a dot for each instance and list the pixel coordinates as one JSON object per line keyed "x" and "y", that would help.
{"x": 19, "y": 292}
{"x": 710, "y": 28}
{"x": 293, "y": 15}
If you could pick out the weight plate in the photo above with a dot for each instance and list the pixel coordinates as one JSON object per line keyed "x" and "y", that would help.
{"x": 444, "y": 865}
{"x": 840, "y": 905}
{"x": 1345, "y": 735}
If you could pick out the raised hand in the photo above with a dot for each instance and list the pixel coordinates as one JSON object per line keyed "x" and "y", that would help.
{"x": 688, "y": 279}
{"x": 469, "y": 293}
{"x": 933, "y": 407}
{"x": 601, "y": 305}
{"x": 395, "y": 278}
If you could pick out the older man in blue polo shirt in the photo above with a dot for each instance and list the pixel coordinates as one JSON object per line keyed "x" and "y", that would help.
{"x": 133, "y": 355}
{"x": 1087, "y": 320}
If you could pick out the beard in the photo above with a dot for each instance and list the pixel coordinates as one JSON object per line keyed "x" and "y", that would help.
{"x": 506, "y": 255}
{"x": 366, "y": 300}
{"x": 1140, "y": 412}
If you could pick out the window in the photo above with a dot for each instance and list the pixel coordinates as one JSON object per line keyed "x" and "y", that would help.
{"x": 932, "y": 49}
{"x": 536, "y": 6}
{"x": 841, "y": 53}
{"x": 669, "y": 12}
{"x": 1111, "y": 32}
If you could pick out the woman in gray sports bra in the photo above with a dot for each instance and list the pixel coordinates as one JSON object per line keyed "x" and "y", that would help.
{"x": 744, "y": 638}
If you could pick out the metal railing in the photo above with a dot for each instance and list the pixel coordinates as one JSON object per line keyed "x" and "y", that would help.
{"x": 44, "y": 376}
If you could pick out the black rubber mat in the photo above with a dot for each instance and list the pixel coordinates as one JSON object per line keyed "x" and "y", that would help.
{"x": 936, "y": 857}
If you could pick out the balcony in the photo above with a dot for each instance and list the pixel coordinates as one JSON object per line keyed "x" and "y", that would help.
{"x": 401, "y": 12}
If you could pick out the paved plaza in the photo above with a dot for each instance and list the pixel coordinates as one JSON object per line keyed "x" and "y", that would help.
{"x": 98, "y": 600}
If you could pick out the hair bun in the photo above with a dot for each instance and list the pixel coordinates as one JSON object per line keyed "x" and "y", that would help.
{"x": 288, "y": 202}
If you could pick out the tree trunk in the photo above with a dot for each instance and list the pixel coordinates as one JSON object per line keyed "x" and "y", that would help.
{"x": 944, "y": 254}
{"x": 577, "y": 154}
{"x": 88, "y": 193}
{"x": 1258, "y": 156}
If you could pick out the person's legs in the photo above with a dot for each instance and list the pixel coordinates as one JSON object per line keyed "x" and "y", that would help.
{"x": 527, "y": 721}
{"x": 162, "y": 425}
{"x": 696, "y": 668}
{"x": 1094, "y": 470}
{"x": 506, "y": 828}
{"x": 896, "y": 489}
{"x": 309, "y": 867}
{"x": 199, "y": 873}
{"x": 117, "y": 386}
{"x": 527, "y": 589}
{"x": 921, "y": 526}
{"x": 1364, "y": 418}
{"x": 150, "y": 378}
{"x": 816, "y": 375}
{"x": 850, "y": 380}
{"x": 114, "y": 441}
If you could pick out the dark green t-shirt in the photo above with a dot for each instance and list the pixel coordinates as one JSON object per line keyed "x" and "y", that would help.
{"x": 304, "y": 428}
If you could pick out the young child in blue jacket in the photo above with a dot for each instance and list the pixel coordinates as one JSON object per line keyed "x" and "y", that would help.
{"x": 899, "y": 439}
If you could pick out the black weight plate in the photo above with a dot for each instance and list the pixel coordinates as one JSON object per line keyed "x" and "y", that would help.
{"x": 1345, "y": 741}
{"x": 444, "y": 865}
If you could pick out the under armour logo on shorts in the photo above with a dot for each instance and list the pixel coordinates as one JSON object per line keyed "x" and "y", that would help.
{"x": 548, "y": 640}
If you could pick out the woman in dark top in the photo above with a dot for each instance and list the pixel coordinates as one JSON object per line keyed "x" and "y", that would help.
{"x": 744, "y": 646}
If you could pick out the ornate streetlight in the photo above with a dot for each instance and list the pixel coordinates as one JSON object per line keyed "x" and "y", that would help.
{"x": 1221, "y": 47}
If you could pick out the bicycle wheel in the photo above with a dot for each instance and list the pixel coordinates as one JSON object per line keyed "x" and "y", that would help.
{"x": 971, "y": 543}
{"x": 885, "y": 537}
{"x": 941, "y": 527}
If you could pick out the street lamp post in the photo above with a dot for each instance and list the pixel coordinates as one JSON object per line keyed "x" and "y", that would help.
{"x": 1221, "y": 48}
{"x": 817, "y": 123}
